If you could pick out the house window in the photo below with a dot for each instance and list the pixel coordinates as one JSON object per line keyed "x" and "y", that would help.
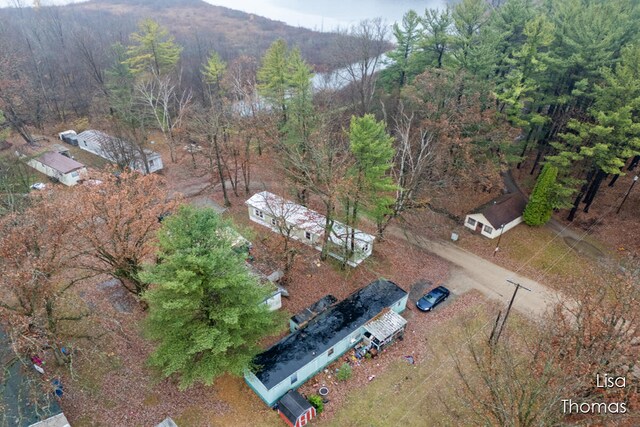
{"x": 330, "y": 352}
{"x": 471, "y": 222}
{"x": 274, "y": 222}
{"x": 488, "y": 229}
{"x": 307, "y": 235}
{"x": 75, "y": 174}
{"x": 258, "y": 213}
{"x": 294, "y": 378}
{"x": 151, "y": 162}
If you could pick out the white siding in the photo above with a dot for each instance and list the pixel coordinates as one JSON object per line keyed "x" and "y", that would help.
{"x": 68, "y": 179}
{"x": 479, "y": 218}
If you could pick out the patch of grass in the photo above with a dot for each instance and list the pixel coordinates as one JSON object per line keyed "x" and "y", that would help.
{"x": 151, "y": 399}
{"x": 85, "y": 421}
{"x": 192, "y": 416}
{"x": 91, "y": 375}
{"x": 534, "y": 248}
{"x": 542, "y": 250}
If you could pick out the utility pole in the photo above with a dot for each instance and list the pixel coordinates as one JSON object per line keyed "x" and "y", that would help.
{"x": 506, "y": 315}
{"x": 635, "y": 179}
{"x": 498, "y": 243}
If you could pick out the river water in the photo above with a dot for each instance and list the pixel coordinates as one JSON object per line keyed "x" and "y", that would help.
{"x": 327, "y": 15}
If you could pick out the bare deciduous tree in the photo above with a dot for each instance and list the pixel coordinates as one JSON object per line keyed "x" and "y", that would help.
{"x": 367, "y": 41}
{"x": 167, "y": 105}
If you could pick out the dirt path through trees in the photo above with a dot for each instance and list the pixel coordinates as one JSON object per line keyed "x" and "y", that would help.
{"x": 474, "y": 272}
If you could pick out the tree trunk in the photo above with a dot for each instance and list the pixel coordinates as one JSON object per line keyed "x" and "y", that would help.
{"x": 536, "y": 161}
{"x": 593, "y": 190}
{"x": 613, "y": 180}
{"x": 634, "y": 163}
{"x": 328, "y": 228}
{"x": 576, "y": 202}
{"x": 220, "y": 170}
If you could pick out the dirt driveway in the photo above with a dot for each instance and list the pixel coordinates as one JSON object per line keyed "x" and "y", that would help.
{"x": 473, "y": 272}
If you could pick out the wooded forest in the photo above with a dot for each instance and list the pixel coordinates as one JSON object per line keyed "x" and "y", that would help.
{"x": 428, "y": 114}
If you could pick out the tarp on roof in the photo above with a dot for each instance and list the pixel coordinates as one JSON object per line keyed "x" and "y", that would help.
{"x": 299, "y": 348}
{"x": 293, "y": 405}
{"x": 503, "y": 209}
{"x": 57, "y": 161}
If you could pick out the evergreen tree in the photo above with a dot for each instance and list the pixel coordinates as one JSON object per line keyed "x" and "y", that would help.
{"x": 153, "y": 51}
{"x": 372, "y": 149}
{"x": 541, "y": 202}
{"x": 212, "y": 73}
{"x": 436, "y": 38}
{"x": 299, "y": 99}
{"x": 205, "y": 308}
{"x": 274, "y": 78}
{"x": 469, "y": 16}
{"x": 610, "y": 135}
{"x": 119, "y": 82}
{"x": 407, "y": 38}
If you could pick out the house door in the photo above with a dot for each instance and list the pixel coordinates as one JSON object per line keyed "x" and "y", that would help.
{"x": 479, "y": 226}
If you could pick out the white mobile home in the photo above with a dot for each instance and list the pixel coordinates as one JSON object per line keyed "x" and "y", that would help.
{"x": 119, "y": 151}
{"x": 497, "y": 216}
{"x": 308, "y": 226}
{"x": 59, "y": 167}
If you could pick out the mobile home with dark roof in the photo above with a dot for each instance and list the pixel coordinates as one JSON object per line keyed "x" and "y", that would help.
{"x": 290, "y": 362}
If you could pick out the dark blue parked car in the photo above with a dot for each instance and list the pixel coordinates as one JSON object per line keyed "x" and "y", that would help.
{"x": 433, "y": 298}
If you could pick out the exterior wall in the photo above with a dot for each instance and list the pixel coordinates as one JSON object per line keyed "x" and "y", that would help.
{"x": 271, "y": 396}
{"x": 91, "y": 147}
{"x": 495, "y": 232}
{"x": 400, "y": 306}
{"x": 315, "y": 240}
{"x": 155, "y": 163}
{"x": 274, "y": 302}
{"x": 68, "y": 179}
{"x": 155, "y": 160}
{"x": 285, "y": 419}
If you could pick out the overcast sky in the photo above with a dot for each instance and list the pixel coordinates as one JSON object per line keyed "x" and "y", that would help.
{"x": 320, "y": 14}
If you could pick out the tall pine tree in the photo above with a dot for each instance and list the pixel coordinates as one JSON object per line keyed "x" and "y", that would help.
{"x": 540, "y": 205}
{"x": 205, "y": 308}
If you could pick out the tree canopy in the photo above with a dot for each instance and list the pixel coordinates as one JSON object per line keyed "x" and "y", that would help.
{"x": 205, "y": 308}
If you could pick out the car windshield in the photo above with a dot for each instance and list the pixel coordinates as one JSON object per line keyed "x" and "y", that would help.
{"x": 431, "y": 297}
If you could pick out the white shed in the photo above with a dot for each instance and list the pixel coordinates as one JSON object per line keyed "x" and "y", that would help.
{"x": 117, "y": 150}
{"x": 308, "y": 226}
{"x": 57, "y": 166}
{"x": 498, "y": 216}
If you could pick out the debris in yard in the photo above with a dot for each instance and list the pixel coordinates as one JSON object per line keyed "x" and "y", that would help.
{"x": 371, "y": 377}
{"x": 323, "y": 391}
{"x": 410, "y": 359}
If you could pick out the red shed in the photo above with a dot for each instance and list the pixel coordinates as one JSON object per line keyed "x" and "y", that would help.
{"x": 295, "y": 410}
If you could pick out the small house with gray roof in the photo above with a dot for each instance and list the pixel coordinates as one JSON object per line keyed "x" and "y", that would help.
{"x": 293, "y": 360}
{"x": 498, "y": 216}
{"x": 59, "y": 167}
